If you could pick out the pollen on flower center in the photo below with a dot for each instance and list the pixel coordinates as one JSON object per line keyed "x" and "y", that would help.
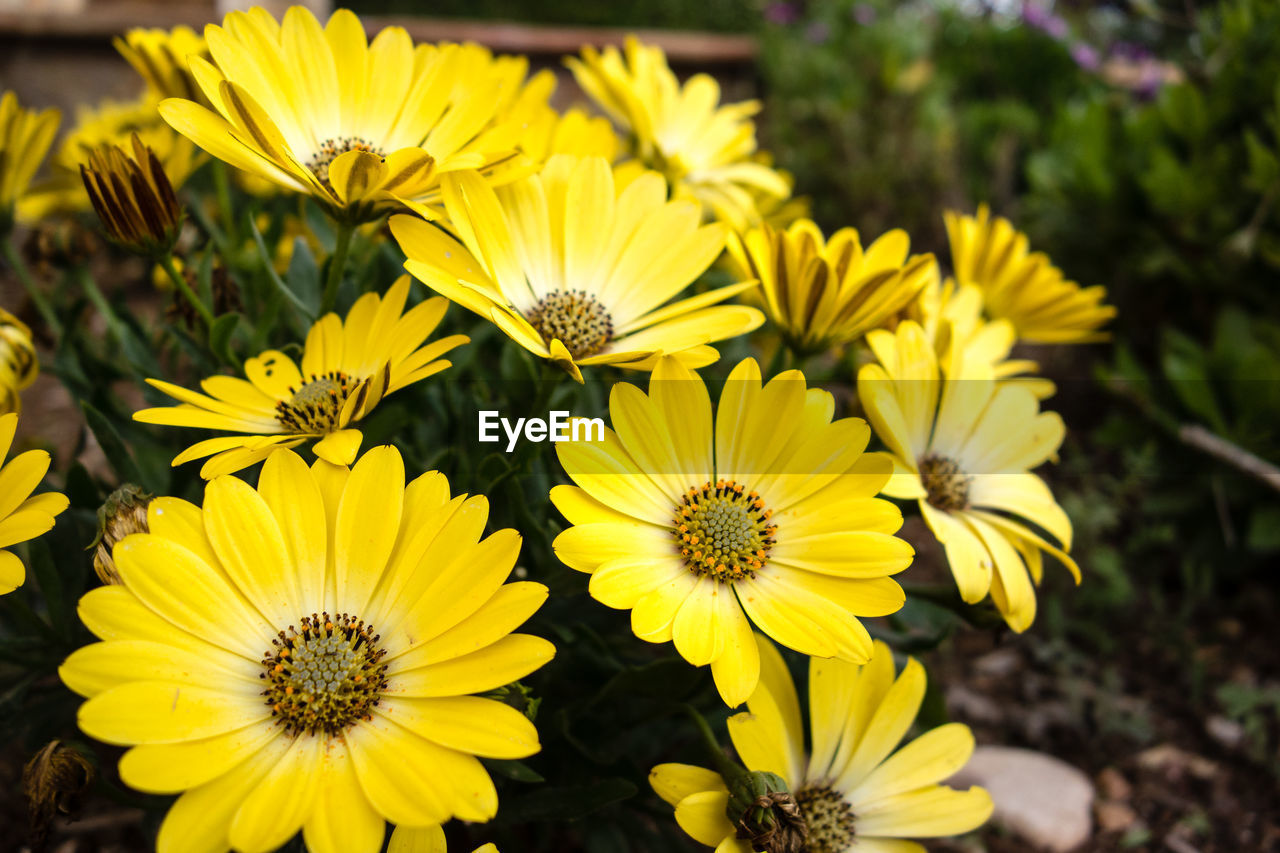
{"x": 723, "y": 532}
{"x": 316, "y": 404}
{"x": 946, "y": 486}
{"x": 574, "y": 318}
{"x": 332, "y": 149}
{"x": 829, "y": 817}
{"x": 324, "y": 676}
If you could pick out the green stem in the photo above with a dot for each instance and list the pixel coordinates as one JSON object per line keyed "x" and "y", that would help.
{"x": 728, "y": 770}
{"x": 90, "y": 287}
{"x": 337, "y": 261}
{"x": 33, "y": 290}
{"x": 179, "y": 281}
{"x": 222, "y": 186}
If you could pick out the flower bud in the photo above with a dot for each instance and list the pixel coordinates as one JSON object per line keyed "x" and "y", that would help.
{"x": 18, "y": 364}
{"x": 52, "y": 782}
{"x": 124, "y": 512}
{"x": 133, "y": 198}
{"x": 765, "y": 814}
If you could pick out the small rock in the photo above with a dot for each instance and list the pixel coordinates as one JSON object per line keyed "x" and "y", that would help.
{"x": 1225, "y": 731}
{"x": 997, "y": 663}
{"x": 1038, "y": 797}
{"x": 1176, "y": 762}
{"x": 1114, "y": 817}
{"x": 972, "y": 707}
{"x": 1113, "y": 785}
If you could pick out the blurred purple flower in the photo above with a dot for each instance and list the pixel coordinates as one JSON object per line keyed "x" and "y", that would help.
{"x": 817, "y": 32}
{"x": 1085, "y": 56}
{"x": 864, "y": 14}
{"x": 1130, "y": 51}
{"x": 1040, "y": 18}
{"x": 781, "y": 13}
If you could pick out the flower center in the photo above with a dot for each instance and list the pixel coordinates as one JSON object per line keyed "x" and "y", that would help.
{"x": 332, "y": 149}
{"x": 325, "y": 676}
{"x": 316, "y": 404}
{"x": 829, "y": 818}
{"x": 722, "y": 532}
{"x": 947, "y": 487}
{"x": 574, "y": 318}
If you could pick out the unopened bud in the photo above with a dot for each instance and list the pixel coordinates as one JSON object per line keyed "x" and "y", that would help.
{"x": 124, "y": 512}
{"x": 52, "y": 782}
{"x": 133, "y": 197}
{"x": 764, "y": 813}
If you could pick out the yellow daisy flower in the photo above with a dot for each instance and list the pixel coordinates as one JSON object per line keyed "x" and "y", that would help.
{"x": 346, "y": 370}
{"x": 162, "y": 58}
{"x": 25, "y": 137}
{"x": 704, "y": 149}
{"x": 18, "y": 363}
{"x": 824, "y": 293}
{"x": 769, "y": 515}
{"x": 1021, "y": 285}
{"x": 363, "y": 127}
{"x": 947, "y": 311}
{"x": 573, "y": 132}
{"x": 305, "y": 656}
{"x": 854, "y": 791}
{"x": 425, "y": 840}
{"x": 575, "y": 269}
{"x": 108, "y": 123}
{"x": 23, "y": 515}
{"x": 963, "y": 446}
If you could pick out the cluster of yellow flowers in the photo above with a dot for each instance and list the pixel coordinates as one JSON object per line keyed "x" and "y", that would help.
{"x": 310, "y": 654}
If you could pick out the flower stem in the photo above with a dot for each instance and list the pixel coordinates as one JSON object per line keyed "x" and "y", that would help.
{"x": 33, "y": 290}
{"x": 90, "y": 287}
{"x": 728, "y": 770}
{"x": 166, "y": 261}
{"x": 222, "y": 186}
{"x": 337, "y": 261}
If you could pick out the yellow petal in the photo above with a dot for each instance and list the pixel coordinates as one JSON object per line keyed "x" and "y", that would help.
{"x": 165, "y": 712}
{"x": 702, "y": 815}
{"x": 469, "y": 724}
{"x": 674, "y": 782}
{"x": 171, "y": 768}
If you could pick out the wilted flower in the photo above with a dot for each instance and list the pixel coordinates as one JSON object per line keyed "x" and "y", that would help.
{"x": 764, "y": 813}
{"x": 133, "y": 198}
{"x": 124, "y": 512}
{"x": 52, "y": 782}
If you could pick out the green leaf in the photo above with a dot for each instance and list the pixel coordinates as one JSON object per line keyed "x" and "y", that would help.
{"x": 568, "y": 802}
{"x": 269, "y": 267}
{"x": 220, "y": 338}
{"x": 517, "y": 770}
{"x": 113, "y": 446}
{"x": 304, "y": 276}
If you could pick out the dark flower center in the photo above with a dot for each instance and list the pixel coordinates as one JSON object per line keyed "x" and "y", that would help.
{"x": 723, "y": 532}
{"x": 574, "y": 318}
{"x": 829, "y": 818}
{"x": 947, "y": 487}
{"x": 324, "y": 676}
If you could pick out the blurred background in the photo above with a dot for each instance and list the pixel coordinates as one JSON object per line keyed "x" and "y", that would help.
{"x": 1138, "y": 143}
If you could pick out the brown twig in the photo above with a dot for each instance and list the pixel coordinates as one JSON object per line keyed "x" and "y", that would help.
{"x": 1194, "y": 435}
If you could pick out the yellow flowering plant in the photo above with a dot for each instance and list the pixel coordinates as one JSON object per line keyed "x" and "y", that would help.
{"x": 364, "y": 279}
